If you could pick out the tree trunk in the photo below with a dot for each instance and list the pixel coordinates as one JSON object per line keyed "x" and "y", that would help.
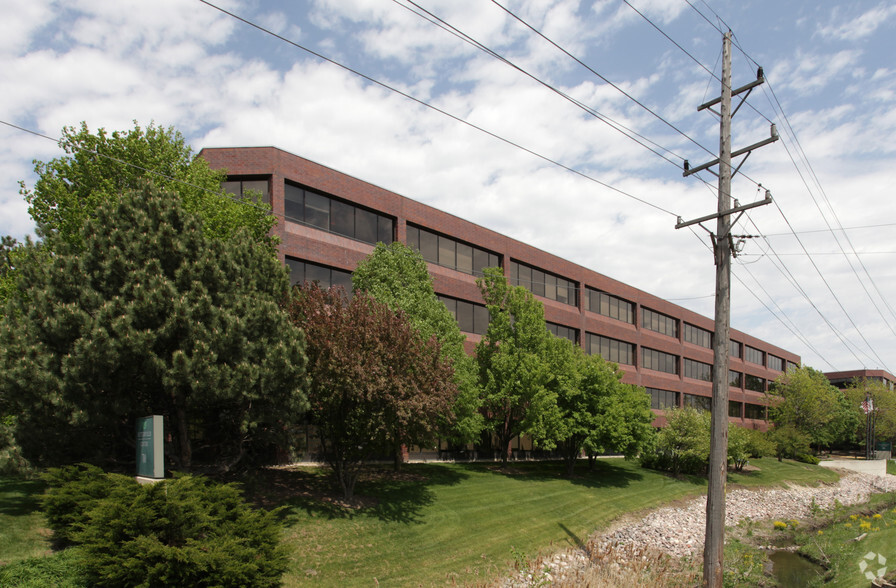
{"x": 183, "y": 434}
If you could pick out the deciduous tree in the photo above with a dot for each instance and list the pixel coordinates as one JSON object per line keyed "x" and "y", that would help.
{"x": 396, "y": 275}
{"x": 511, "y": 358}
{"x": 150, "y": 316}
{"x": 374, "y": 381}
{"x": 100, "y": 167}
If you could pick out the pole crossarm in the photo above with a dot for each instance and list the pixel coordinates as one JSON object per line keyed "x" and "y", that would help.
{"x": 767, "y": 200}
{"x": 772, "y": 138}
{"x": 760, "y": 79}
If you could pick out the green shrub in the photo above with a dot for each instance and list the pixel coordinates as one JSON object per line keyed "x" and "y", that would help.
{"x": 187, "y": 531}
{"x": 790, "y": 442}
{"x": 807, "y": 458}
{"x": 682, "y": 446}
{"x": 12, "y": 462}
{"x": 72, "y": 492}
{"x": 759, "y": 444}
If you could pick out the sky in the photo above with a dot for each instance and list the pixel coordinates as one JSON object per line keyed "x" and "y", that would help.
{"x": 573, "y": 141}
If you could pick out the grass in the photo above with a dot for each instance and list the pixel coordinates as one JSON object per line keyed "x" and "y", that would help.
{"x": 431, "y": 524}
{"x": 23, "y": 532}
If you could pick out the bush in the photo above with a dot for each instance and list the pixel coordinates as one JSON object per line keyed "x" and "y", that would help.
{"x": 188, "y": 531}
{"x": 682, "y": 446}
{"x": 759, "y": 444}
{"x": 72, "y": 492}
{"x": 807, "y": 458}
{"x": 60, "y": 570}
{"x": 12, "y": 462}
{"x": 790, "y": 442}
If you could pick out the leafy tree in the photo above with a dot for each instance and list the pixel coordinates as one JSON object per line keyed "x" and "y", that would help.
{"x": 152, "y": 317}
{"x": 884, "y": 400}
{"x": 396, "y": 275}
{"x": 803, "y": 398}
{"x": 682, "y": 446}
{"x": 585, "y": 406}
{"x": 374, "y": 382}
{"x": 100, "y": 167}
{"x": 791, "y": 442}
{"x": 511, "y": 358}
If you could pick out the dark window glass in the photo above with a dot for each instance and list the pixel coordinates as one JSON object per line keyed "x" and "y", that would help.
{"x": 735, "y": 349}
{"x": 659, "y": 361}
{"x": 662, "y": 399}
{"x": 464, "y": 258}
{"x": 698, "y": 402}
{"x": 294, "y": 203}
{"x": 385, "y": 232}
{"x": 317, "y": 273}
{"x": 429, "y": 246}
{"x": 754, "y": 383}
{"x": 563, "y": 331}
{"x": 754, "y": 355}
{"x": 447, "y": 255}
{"x": 775, "y": 363}
{"x": 526, "y": 277}
{"x": 610, "y": 349}
{"x": 366, "y": 226}
{"x": 342, "y": 218}
{"x": 259, "y": 186}
{"x": 550, "y": 287}
{"x": 754, "y": 411}
{"x": 538, "y": 282}
{"x": 480, "y": 261}
{"x": 465, "y": 317}
{"x": 480, "y": 319}
{"x": 326, "y": 277}
{"x": 317, "y": 210}
{"x": 735, "y": 408}
{"x": 234, "y": 187}
{"x": 658, "y": 322}
{"x": 697, "y": 336}
{"x": 413, "y": 236}
{"x": 471, "y": 318}
{"x": 734, "y": 379}
{"x": 697, "y": 370}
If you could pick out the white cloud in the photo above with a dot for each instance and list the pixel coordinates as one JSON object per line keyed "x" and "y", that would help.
{"x": 859, "y": 27}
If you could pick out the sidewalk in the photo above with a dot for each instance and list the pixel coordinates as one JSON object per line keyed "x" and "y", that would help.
{"x": 877, "y": 467}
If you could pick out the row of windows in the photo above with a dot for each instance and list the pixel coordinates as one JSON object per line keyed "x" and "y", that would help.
{"x": 754, "y": 383}
{"x": 775, "y": 363}
{"x": 321, "y": 211}
{"x": 609, "y": 305}
{"x": 734, "y": 378}
{"x": 447, "y": 252}
{"x": 662, "y": 399}
{"x": 245, "y": 188}
{"x": 697, "y": 370}
{"x": 544, "y": 284}
{"x": 471, "y": 318}
{"x": 698, "y": 402}
{"x": 754, "y": 355}
{"x": 697, "y": 336}
{"x": 610, "y": 349}
{"x": 563, "y": 331}
{"x": 659, "y": 361}
{"x": 733, "y": 349}
{"x": 301, "y": 272}
{"x": 655, "y": 321}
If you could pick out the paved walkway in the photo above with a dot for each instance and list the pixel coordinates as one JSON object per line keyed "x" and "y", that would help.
{"x": 877, "y": 467}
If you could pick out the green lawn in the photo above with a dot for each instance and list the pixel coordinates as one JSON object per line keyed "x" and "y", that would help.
{"x": 434, "y": 523}
{"x": 22, "y": 530}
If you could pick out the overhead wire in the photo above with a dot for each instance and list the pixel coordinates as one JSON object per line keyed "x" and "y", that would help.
{"x": 435, "y": 108}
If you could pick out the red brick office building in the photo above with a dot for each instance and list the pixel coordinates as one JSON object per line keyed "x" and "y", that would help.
{"x": 329, "y": 221}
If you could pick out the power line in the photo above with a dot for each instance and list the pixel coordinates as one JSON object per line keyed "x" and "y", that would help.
{"x": 435, "y": 108}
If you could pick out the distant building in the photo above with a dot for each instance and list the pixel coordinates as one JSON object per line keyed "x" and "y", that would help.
{"x": 844, "y": 379}
{"x": 329, "y": 221}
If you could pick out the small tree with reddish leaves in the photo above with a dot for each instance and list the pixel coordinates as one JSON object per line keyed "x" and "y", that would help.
{"x": 375, "y": 384}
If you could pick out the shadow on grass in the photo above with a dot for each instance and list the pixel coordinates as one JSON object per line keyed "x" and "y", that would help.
{"x": 20, "y": 497}
{"x": 603, "y": 474}
{"x": 380, "y": 492}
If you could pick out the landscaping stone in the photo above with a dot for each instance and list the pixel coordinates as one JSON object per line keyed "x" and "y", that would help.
{"x": 679, "y": 530}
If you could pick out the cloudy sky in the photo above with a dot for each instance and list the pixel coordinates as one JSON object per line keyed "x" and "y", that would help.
{"x": 608, "y": 89}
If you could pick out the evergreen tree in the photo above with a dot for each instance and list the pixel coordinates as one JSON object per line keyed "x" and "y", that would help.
{"x": 143, "y": 313}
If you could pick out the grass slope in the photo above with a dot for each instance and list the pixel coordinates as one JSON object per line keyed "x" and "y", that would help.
{"x": 431, "y": 524}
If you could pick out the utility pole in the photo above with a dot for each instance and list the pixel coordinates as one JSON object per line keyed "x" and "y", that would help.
{"x": 723, "y": 247}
